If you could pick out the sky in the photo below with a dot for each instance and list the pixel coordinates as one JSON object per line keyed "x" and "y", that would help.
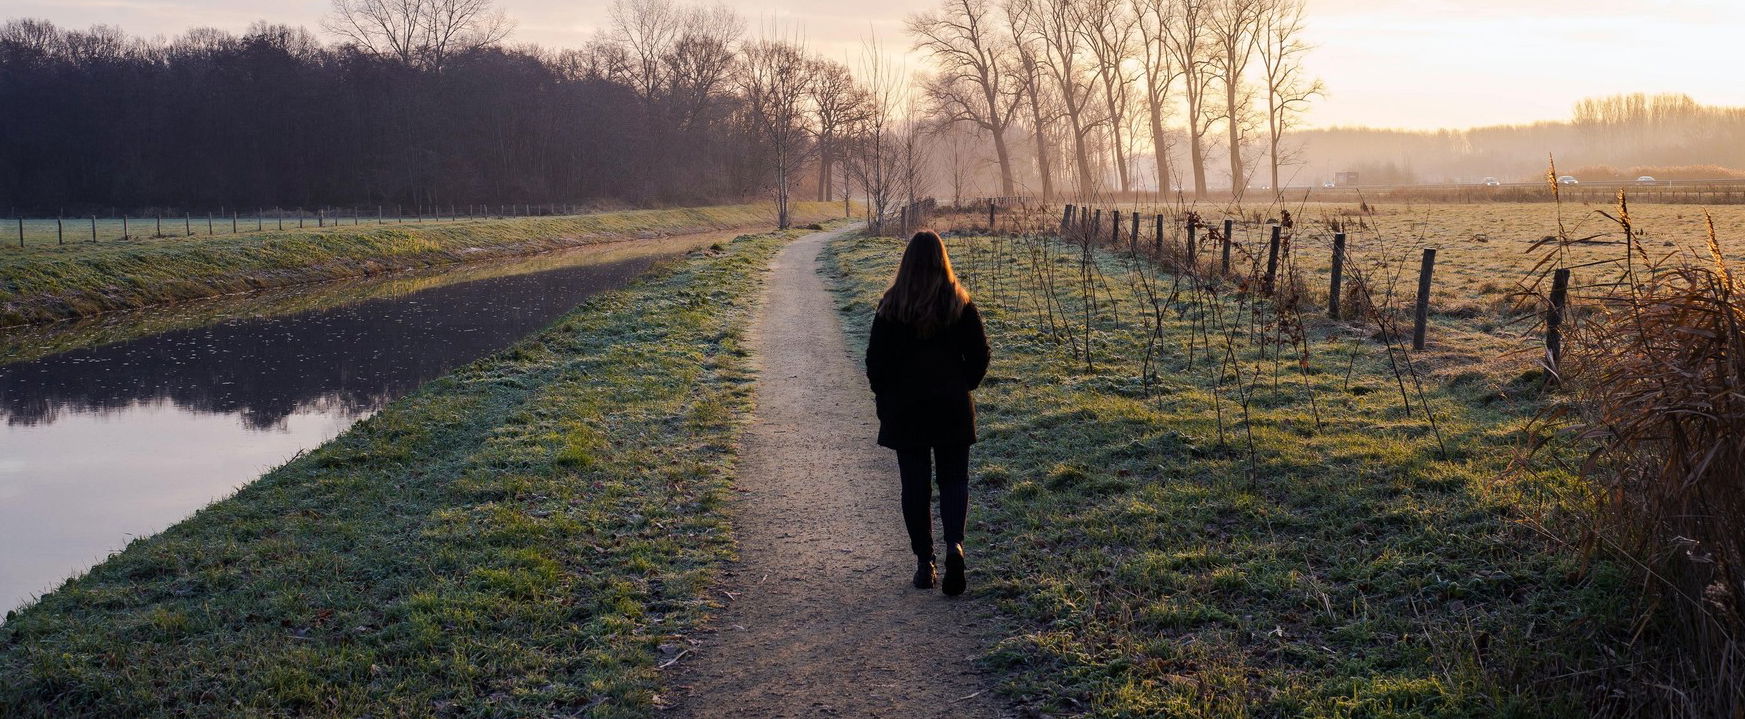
{"x": 1419, "y": 64}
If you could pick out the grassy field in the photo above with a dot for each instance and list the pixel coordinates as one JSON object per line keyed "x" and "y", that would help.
{"x": 40, "y": 284}
{"x": 525, "y": 536}
{"x": 1190, "y": 528}
{"x": 1485, "y": 299}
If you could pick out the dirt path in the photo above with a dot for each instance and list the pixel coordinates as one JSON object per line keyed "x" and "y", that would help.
{"x": 823, "y": 621}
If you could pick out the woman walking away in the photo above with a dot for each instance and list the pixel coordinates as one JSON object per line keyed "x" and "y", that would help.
{"x": 926, "y": 353}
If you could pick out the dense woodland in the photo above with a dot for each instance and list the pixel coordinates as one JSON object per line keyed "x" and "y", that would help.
{"x": 673, "y": 103}
{"x": 276, "y": 118}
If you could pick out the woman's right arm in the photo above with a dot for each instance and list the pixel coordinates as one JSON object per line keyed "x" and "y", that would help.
{"x": 976, "y": 352}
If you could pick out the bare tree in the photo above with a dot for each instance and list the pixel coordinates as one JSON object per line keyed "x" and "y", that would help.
{"x": 971, "y": 57}
{"x": 647, "y": 30}
{"x": 1108, "y": 31}
{"x": 1161, "y": 71}
{"x": 418, "y": 33}
{"x": 774, "y": 79}
{"x": 1281, "y": 49}
{"x": 1028, "y": 73}
{"x": 1186, "y": 37}
{"x": 1233, "y": 25}
{"x": 876, "y": 162}
{"x": 837, "y": 104}
{"x": 697, "y": 67}
{"x": 1058, "y": 26}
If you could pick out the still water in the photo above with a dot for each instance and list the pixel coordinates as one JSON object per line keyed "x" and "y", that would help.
{"x": 105, "y": 440}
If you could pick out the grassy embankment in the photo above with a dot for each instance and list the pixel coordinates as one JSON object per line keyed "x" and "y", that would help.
{"x": 39, "y": 284}
{"x": 28, "y": 342}
{"x": 1340, "y": 566}
{"x": 522, "y": 537}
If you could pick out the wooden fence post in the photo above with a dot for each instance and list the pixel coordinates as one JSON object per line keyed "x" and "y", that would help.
{"x": 1193, "y": 232}
{"x": 1229, "y": 231}
{"x": 233, "y": 222}
{"x": 990, "y": 215}
{"x": 1157, "y": 240}
{"x": 1554, "y": 321}
{"x": 1272, "y": 259}
{"x": 187, "y": 224}
{"x": 1096, "y": 225}
{"x": 124, "y": 231}
{"x": 1421, "y": 317}
{"x": 209, "y": 224}
{"x": 1066, "y": 220}
{"x": 93, "y": 228}
{"x": 21, "y": 230}
{"x": 260, "y": 218}
{"x": 1338, "y": 275}
{"x": 1115, "y": 228}
{"x": 60, "y": 232}
{"x": 158, "y": 232}
{"x": 299, "y": 218}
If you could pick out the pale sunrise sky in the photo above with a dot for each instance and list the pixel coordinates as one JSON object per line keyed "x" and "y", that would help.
{"x": 1391, "y": 63}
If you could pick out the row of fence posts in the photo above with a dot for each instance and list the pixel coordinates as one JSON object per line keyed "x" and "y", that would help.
{"x": 1090, "y": 222}
{"x": 321, "y": 219}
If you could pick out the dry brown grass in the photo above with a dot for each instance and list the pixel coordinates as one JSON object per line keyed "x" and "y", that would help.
{"x": 1655, "y": 375}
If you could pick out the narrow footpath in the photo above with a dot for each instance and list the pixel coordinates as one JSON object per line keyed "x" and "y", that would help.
{"x": 819, "y": 618}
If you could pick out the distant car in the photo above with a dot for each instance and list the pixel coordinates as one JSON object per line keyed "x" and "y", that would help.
{"x": 1645, "y": 180}
{"x": 1491, "y": 182}
{"x": 1328, "y": 184}
{"x": 1568, "y": 180}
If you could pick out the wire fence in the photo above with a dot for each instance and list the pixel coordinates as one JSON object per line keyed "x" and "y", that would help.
{"x": 22, "y": 231}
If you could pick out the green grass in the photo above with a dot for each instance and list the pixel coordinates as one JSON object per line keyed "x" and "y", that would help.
{"x": 1346, "y": 569}
{"x": 39, "y": 284}
{"x": 526, "y": 536}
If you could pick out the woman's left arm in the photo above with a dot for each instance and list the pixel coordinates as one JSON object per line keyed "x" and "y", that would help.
{"x": 974, "y": 346}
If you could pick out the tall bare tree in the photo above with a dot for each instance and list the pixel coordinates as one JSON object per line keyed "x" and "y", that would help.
{"x": 1058, "y": 28}
{"x": 774, "y": 78}
{"x": 837, "y": 103}
{"x": 1186, "y": 36}
{"x": 697, "y": 67}
{"x": 646, "y": 29}
{"x": 1160, "y": 73}
{"x": 1108, "y": 32}
{"x": 1031, "y": 85}
{"x": 876, "y": 162}
{"x": 971, "y": 56}
{"x": 1281, "y": 49}
{"x": 419, "y": 33}
{"x": 1233, "y": 28}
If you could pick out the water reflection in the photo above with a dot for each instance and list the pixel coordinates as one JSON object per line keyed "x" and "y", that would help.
{"x": 105, "y": 442}
{"x": 351, "y": 359}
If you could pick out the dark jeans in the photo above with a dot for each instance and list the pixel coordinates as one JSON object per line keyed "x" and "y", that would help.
{"x": 917, "y": 468}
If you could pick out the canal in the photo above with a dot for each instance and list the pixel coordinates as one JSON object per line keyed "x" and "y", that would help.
{"x": 118, "y": 426}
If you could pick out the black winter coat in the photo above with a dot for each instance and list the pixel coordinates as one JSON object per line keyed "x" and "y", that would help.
{"x": 922, "y": 384}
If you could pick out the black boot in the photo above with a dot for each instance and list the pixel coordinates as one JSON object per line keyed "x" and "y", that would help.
{"x": 954, "y": 581}
{"x": 924, "y": 574}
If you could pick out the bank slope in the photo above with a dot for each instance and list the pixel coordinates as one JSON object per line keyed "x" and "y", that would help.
{"x": 41, "y": 284}
{"x": 524, "y": 536}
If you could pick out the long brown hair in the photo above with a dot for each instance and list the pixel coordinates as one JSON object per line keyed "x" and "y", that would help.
{"x": 925, "y": 294}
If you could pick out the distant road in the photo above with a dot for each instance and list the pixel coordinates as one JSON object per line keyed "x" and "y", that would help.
{"x": 1597, "y": 184}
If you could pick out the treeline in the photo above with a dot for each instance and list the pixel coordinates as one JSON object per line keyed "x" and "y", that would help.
{"x": 422, "y": 102}
{"x": 274, "y": 117}
{"x": 1093, "y": 96}
{"x": 1608, "y": 138}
